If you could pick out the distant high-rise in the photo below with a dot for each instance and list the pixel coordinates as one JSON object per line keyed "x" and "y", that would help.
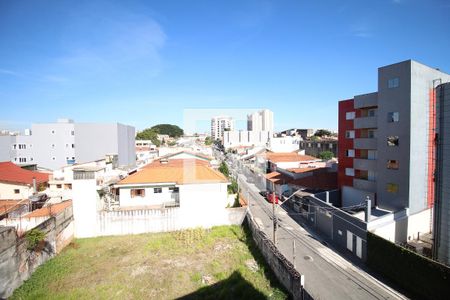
{"x": 260, "y": 121}
{"x": 53, "y": 145}
{"x": 220, "y": 124}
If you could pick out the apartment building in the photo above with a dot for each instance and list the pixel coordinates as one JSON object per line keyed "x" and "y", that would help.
{"x": 220, "y": 124}
{"x": 441, "y": 227}
{"x": 53, "y": 145}
{"x": 386, "y": 140}
{"x": 260, "y": 121}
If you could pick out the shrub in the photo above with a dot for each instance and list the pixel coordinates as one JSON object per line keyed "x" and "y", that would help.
{"x": 34, "y": 236}
{"x": 326, "y": 155}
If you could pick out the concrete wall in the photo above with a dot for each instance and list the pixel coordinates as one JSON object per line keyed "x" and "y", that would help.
{"x": 283, "y": 269}
{"x": 313, "y": 148}
{"x": 17, "y": 263}
{"x": 442, "y": 188}
{"x": 126, "y": 145}
{"x": 5, "y": 147}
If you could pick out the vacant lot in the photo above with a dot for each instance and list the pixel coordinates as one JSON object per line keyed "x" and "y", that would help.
{"x": 221, "y": 263}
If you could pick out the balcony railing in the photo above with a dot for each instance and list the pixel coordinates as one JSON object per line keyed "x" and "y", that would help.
{"x": 365, "y": 122}
{"x": 366, "y": 100}
{"x": 365, "y": 143}
{"x": 366, "y": 185}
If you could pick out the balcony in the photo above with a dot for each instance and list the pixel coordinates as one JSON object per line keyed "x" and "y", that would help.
{"x": 364, "y": 164}
{"x": 365, "y": 122}
{"x": 366, "y": 185}
{"x": 365, "y": 143}
{"x": 366, "y": 100}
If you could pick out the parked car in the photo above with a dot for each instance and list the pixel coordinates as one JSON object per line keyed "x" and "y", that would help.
{"x": 269, "y": 196}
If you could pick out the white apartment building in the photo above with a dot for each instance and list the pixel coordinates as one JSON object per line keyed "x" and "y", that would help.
{"x": 220, "y": 124}
{"x": 53, "y": 145}
{"x": 260, "y": 121}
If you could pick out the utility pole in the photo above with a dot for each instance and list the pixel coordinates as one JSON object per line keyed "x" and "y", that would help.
{"x": 274, "y": 218}
{"x": 293, "y": 252}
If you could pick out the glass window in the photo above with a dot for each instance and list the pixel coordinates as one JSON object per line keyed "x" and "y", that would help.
{"x": 371, "y": 112}
{"x": 349, "y": 172}
{"x": 137, "y": 193}
{"x": 350, "y": 115}
{"x": 174, "y": 189}
{"x": 371, "y": 133}
{"x": 393, "y": 116}
{"x": 350, "y": 153}
{"x": 157, "y": 190}
{"x": 392, "y": 141}
{"x": 392, "y": 187}
{"x": 392, "y": 164}
{"x": 16, "y": 191}
{"x": 350, "y": 134}
{"x": 393, "y": 82}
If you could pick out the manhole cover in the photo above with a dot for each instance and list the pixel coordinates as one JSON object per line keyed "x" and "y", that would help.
{"x": 307, "y": 257}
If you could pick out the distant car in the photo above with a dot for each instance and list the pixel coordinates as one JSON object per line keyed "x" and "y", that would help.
{"x": 269, "y": 196}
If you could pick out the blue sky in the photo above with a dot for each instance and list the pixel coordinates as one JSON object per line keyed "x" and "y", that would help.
{"x": 145, "y": 62}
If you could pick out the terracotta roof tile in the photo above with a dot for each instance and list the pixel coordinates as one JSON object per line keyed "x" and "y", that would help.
{"x": 12, "y": 173}
{"x": 180, "y": 171}
{"x": 49, "y": 210}
{"x": 288, "y": 157}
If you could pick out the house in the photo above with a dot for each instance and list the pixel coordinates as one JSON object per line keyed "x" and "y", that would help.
{"x": 186, "y": 183}
{"x": 290, "y": 160}
{"x": 17, "y": 183}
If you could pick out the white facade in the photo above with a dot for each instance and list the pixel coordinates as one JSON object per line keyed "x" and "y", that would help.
{"x": 246, "y": 138}
{"x": 260, "y": 121}
{"x": 15, "y": 191}
{"x": 284, "y": 143}
{"x": 219, "y": 125}
{"x": 53, "y": 145}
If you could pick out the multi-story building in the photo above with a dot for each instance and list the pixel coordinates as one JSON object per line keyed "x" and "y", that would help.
{"x": 219, "y": 125}
{"x": 314, "y": 148}
{"x": 53, "y": 145}
{"x": 260, "y": 121}
{"x": 386, "y": 140}
{"x": 441, "y": 226}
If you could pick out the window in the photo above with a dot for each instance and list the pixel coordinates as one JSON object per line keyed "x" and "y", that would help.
{"x": 392, "y": 187}
{"x": 31, "y": 159}
{"x": 53, "y": 158}
{"x": 393, "y": 82}
{"x": 330, "y": 146}
{"x": 393, "y": 116}
{"x": 14, "y": 146}
{"x": 392, "y": 164}
{"x": 53, "y": 146}
{"x": 72, "y": 132}
{"x": 22, "y": 146}
{"x": 174, "y": 189}
{"x": 350, "y": 115}
{"x": 350, "y": 134}
{"x": 157, "y": 190}
{"x": 350, "y": 153}
{"x": 67, "y": 145}
{"x": 73, "y": 145}
{"x": 349, "y": 172}
{"x": 53, "y": 131}
{"x": 22, "y": 159}
{"x": 16, "y": 191}
{"x": 137, "y": 193}
{"x": 58, "y": 186}
{"x": 392, "y": 141}
{"x": 318, "y": 145}
{"x": 371, "y": 112}
{"x": 371, "y": 133}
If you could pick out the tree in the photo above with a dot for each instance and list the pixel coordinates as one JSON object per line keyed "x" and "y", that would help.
{"x": 208, "y": 141}
{"x": 169, "y": 129}
{"x": 224, "y": 169}
{"x": 149, "y": 134}
{"x": 323, "y": 132}
{"x": 326, "y": 155}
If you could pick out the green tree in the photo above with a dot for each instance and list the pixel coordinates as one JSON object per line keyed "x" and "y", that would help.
{"x": 149, "y": 134}
{"x": 322, "y": 132}
{"x": 224, "y": 169}
{"x": 169, "y": 129}
{"x": 208, "y": 141}
{"x": 326, "y": 155}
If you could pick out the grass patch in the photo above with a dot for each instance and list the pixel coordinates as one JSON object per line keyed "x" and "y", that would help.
{"x": 189, "y": 264}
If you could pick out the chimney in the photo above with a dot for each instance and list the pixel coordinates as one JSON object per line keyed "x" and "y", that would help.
{"x": 368, "y": 210}
{"x": 34, "y": 186}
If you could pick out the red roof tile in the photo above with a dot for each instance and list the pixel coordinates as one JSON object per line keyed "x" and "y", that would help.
{"x": 11, "y": 173}
{"x": 49, "y": 210}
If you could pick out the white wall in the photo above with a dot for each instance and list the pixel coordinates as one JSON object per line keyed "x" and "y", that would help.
{"x": 149, "y": 199}
{"x": 85, "y": 206}
{"x": 7, "y": 191}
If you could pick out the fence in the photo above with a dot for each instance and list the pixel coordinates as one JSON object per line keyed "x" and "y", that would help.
{"x": 163, "y": 220}
{"x": 283, "y": 269}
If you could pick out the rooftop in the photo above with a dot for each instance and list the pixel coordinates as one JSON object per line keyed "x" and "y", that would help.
{"x": 179, "y": 171}
{"x": 49, "y": 210}
{"x": 288, "y": 157}
{"x": 11, "y": 173}
{"x": 318, "y": 180}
